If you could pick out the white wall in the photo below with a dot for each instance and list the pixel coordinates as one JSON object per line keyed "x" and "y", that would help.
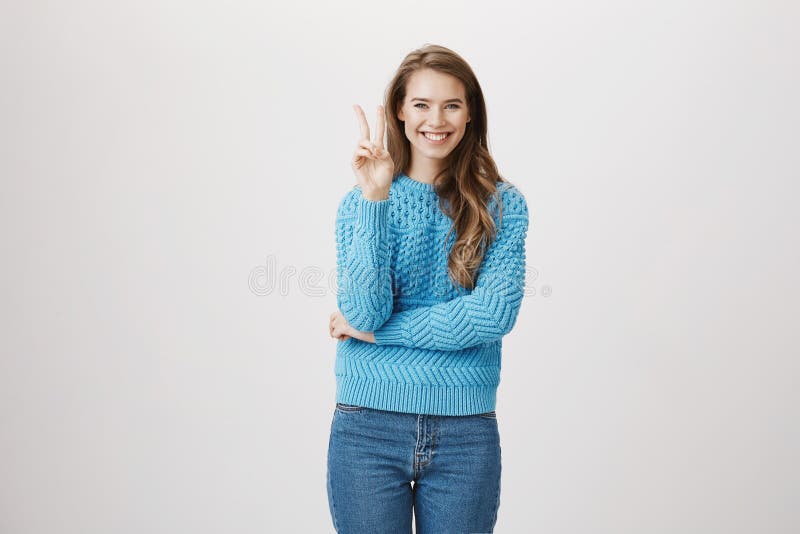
{"x": 154, "y": 154}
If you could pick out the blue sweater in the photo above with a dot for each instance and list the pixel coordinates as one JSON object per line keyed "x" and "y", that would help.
{"x": 437, "y": 348}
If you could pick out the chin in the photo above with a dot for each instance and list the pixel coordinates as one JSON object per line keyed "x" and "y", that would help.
{"x": 440, "y": 154}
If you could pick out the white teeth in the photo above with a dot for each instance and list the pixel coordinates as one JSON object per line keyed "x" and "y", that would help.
{"x": 435, "y": 137}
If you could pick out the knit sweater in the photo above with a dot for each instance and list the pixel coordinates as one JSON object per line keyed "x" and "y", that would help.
{"x": 437, "y": 346}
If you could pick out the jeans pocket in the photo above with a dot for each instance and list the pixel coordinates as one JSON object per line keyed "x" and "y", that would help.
{"x": 488, "y": 415}
{"x": 348, "y": 407}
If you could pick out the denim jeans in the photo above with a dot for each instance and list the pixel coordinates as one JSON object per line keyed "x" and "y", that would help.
{"x": 375, "y": 455}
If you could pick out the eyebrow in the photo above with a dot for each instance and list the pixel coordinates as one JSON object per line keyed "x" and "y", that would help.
{"x": 446, "y": 101}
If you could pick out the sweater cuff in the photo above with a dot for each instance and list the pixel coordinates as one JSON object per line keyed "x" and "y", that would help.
{"x": 393, "y": 332}
{"x": 373, "y": 214}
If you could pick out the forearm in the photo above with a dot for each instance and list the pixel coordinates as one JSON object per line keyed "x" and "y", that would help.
{"x": 486, "y": 315}
{"x": 364, "y": 265}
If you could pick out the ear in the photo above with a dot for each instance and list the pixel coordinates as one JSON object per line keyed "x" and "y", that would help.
{"x": 400, "y": 114}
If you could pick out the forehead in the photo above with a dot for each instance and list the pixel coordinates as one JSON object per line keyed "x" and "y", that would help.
{"x": 434, "y": 85}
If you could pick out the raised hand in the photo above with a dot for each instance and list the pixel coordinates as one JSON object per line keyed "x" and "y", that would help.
{"x": 372, "y": 164}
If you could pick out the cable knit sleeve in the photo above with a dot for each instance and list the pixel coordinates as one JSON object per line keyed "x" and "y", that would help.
{"x": 489, "y": 311}
{"x": 363, "y": 266}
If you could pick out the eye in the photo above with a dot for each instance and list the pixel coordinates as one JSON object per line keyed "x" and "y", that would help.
{"x": 455, "y": 106}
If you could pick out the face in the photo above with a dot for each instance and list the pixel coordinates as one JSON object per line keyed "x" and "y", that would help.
{"x": 435, "y": 103}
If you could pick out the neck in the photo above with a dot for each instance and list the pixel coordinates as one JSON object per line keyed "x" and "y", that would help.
{"x": 424, "y": 170}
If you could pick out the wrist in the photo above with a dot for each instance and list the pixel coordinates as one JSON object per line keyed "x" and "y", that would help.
{"x": 375, "y": 195}
{"x": 369, "y": 337}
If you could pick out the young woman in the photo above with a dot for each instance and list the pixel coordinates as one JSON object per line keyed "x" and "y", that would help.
{"x": 431, "y": 272}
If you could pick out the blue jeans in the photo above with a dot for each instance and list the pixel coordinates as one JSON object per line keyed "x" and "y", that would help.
{"x": 375, "y": 455}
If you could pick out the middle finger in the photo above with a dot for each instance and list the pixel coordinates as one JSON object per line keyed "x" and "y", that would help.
{"x": 380, "y": 125}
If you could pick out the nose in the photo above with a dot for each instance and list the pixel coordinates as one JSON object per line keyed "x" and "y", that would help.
{"x": 436, "y": 118}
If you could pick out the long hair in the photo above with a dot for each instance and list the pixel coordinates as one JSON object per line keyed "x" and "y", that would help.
{"x": 470, "y": 175}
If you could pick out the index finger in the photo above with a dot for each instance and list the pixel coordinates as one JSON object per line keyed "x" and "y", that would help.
{"x": 362, "y": 122}
{"x": 381, "y": 124}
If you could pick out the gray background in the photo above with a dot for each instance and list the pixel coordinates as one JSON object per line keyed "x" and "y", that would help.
{"x": 160, "y": 159}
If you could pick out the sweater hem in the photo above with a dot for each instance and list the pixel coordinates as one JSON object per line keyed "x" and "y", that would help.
{"x": 415, "y": 398}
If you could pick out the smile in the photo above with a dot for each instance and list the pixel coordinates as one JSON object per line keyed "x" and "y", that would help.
{"x": 436, "y": 139}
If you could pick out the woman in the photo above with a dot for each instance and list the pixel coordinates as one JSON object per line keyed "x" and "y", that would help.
{"x": 431, "y": 268}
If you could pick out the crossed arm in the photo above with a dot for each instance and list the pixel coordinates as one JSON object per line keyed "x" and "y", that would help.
{"x": 366, "y": 301}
